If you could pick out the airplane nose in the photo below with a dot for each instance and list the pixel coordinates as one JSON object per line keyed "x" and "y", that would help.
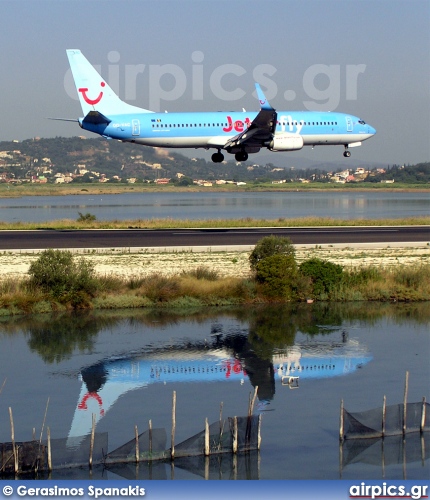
{"x": 371, "y": 130}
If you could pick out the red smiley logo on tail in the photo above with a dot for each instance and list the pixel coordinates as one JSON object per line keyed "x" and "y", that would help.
{"x": 87, "y": 99}
{"x": 93, "y": 395}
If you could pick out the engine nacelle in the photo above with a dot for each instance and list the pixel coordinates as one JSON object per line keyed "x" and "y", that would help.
{"x": 286, "y": 142}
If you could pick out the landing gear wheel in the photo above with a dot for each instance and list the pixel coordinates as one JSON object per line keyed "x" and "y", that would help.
{"x": 346, "y": 154}
{"x": 217, "y": 157}
{"x": 242, "y": 156}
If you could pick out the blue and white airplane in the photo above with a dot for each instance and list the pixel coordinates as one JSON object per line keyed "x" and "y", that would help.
{"x": 238, "y": 133}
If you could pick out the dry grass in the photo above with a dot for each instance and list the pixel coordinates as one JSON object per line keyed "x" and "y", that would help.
{"x": 211, "y": 223}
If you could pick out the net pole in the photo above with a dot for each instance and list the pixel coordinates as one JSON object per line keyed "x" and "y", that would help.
{"x": 206, "y": 438}
{"x": 251, "y": 408}
{"x": 341, "y": 422}
{"x": 221, "y": 426}
{"x": 405, "y": 399}
{"x": 93, "y": 431}
{"x": 423, "y": 416}
{"x": 150, "y": 437}
{"x": 136, "y": 437}
{"x": 12, "y": 433}
{"x": 172, "y": 452}
{"x": 234, "y": 435}
{"x": 384, "y": 414}
{"x": 383, "y": 457}
{"x": 206, "y": 468}
{"x": 259, "y": 432}
{"x": 48, "y": 431}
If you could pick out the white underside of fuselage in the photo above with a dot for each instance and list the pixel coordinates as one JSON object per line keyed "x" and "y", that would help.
{"x": 220, "y": 141}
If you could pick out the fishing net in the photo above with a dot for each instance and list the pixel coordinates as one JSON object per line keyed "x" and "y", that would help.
{"x": 369, "y": 424}
{"x": 151, "y": 446}
{"x": 388, "y": 451}
{"x": 33, "y": 455}
{"x": 148, "y": 447}
{"x": 221, "y": 435}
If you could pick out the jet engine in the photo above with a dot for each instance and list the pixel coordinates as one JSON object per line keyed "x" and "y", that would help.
{"x": 286, "y": 142}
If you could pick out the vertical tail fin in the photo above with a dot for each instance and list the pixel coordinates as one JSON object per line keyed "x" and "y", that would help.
{"x": 93, "y": 91}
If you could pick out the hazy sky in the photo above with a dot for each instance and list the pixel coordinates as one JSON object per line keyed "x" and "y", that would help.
{"x": 370, "y": 58}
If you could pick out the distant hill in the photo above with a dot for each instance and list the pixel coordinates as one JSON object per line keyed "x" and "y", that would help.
{"x": 89, "y": 156}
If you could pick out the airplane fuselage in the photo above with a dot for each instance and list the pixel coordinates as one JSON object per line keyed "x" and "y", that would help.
{"x": 214, "y": 129}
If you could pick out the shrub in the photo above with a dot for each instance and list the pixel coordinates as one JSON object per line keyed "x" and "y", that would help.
{"x": 324, "y": 275}
{"x": 86, "y": 217}
{"x": 277, "y": 275}
{"x": 202, "y": 273}
{"x": 411, "y": 277}
{"x": 159, "y": 288}
{"x": 269, "y": 246}
{"x": 362, "y": 276}
{"x": 56, "y": 273}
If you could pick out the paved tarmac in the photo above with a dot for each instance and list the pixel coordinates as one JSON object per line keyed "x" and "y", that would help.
{"x": 208, "y": 238}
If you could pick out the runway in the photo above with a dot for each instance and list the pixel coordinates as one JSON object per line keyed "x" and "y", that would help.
{"x": 176, "y": 238}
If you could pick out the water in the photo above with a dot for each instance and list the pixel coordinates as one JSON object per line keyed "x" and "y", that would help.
{"x": 343, "y": 205}
{"x": 124, "y": 368}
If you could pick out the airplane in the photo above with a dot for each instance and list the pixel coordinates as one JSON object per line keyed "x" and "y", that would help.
{"x": 238, "y": 133}
{"x": 105, "y": 382}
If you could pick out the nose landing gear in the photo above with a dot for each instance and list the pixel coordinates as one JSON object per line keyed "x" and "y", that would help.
{"x": 346, "y": 153}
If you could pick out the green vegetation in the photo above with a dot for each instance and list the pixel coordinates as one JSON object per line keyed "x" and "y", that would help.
{"x": 86, "y": 217}
{"x": 58, "y": 281}
{"x": 324, "y": 275}
{"x": 270, "y": 246}
{"x": 62, "y": 278}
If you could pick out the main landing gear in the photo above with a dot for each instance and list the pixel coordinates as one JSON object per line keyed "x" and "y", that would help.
{"x": 346, "y": 153}
{"x": 218, "y": 157}
{"x": 241, "y": 156}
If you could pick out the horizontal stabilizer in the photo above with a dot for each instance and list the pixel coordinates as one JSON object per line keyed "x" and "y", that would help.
{"x": 64, "y": 119}
{"x": 96, "y": 118}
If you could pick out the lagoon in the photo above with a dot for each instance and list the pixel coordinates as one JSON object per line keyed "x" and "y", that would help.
{"x": 222, "y": 205}
{"x": 124, "y": 367}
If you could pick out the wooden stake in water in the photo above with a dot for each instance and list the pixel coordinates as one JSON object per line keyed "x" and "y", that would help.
{"x": 93, "y": 432}
{"x": 136, "y": 437}
{"x": 384, "y": 411}
{"x": 48, "y": 431}
{"x": 150, "y": 436}
{"x": 41, "y": 433}
{"x": 12, "y": 432}
{"x": 405, "y": 400}
{"x": 251, "y": 407}
{"x": 259, "y": 431}
{"x": 172, "y": 454}
{"x": 206, "y": 438}
{"x": 235, "y": 435}
{"x": 423, "y": 416}
{"x": 341, "y": 422}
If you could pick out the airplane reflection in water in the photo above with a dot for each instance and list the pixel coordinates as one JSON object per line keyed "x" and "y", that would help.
{"x": 230, "y": 358}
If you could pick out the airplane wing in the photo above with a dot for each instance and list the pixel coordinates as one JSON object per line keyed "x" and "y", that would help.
{"x": 261, "y": 130}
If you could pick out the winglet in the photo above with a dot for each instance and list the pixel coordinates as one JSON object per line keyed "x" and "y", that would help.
{"x": 264, "y": 103}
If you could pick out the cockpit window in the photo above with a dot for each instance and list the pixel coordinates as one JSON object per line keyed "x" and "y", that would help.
{"x": 362, "y": 122}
